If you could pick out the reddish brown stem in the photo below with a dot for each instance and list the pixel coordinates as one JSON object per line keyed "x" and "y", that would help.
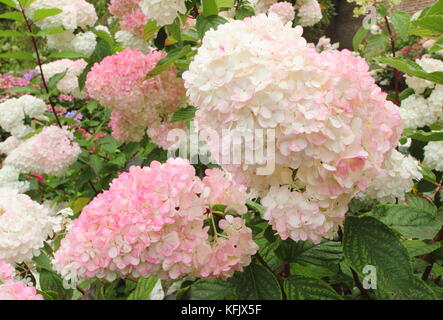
{"x": 39, "y": 62}
{"x": 396, "y": 72}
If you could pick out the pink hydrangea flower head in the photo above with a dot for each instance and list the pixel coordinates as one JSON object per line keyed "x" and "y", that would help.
{"x": 284, "y": 10}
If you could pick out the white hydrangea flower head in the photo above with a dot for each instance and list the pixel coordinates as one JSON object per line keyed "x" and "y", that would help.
{"x": 433, "y": 155}
{"x": 60, "y": 41}
{"x": 309, "y": 12}
{"x": 163, "y": 12}
{"x": 76, "y": 13}
{"x": 24, "y": 226}
{"x": 69, "y": 83}
{"x": 429, "y": 65}
{"x": 14, "y": 111}
{"x": 417, "y": 112}
{"x": 395, "y": 181}
{"x": 436, "y": 96}
{"x": 128, "y": 40}
{"x": 9, "y": 178}
{"x": 84, "y": 43}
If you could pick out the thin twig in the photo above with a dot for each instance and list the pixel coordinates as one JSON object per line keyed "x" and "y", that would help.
{"x": 396, "y": 73}
{"x": 39, "y": 62}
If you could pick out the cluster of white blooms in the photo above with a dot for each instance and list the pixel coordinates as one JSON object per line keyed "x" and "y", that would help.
{"x": 9, "y": 178}
{"x": 84, "y": 42}
{"x": 51, "y": 151}
{"x": 9, "y": 144}
{"x": 324, "y": 43}
{"x": 434, "y": 155}
{"x": 309, "y": 12}
{"x": 163, "y": 12}
{"x": 69, "y": 83}
{"x": 418, "y": 110}
{"x": 24, "y": 226}
{"x": 284, "y": 10}
{"x": 14, "y": 111}
{"x": 398, "y": 177}
{"x": 76, "y": 13}
{"x": 128, "y": 40}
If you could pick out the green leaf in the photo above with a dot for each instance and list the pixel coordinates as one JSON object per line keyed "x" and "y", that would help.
{"x": 418, "y": 248}
{"x": 19, "y": 55}
{"x": 435, "y": 9}
{"x": 150, "y": 29}
{"x": 43, "y": 261}
{"x": 210, "y": 8}
{"x": 204, "y": 24}
{"x": 438, "y": 45}
{"x": 368, "y": 241}
{"x": 376, "y": 45}
{"x": 11, "y": 33}
{"x": 257, "y": 283}
{"x": 322, "y": 254}
{"x": 55, "y": 79}
{"x": 358, "y": 38}
{"x": 96, "y": 163}
{"x": 437, "y": 270}
{"x": 67, "y": 55}
{"x": 9, "y": 3}
{"x": 225, "y": 3}
{"x": 174, "y": 30}
{"x": 406, "y": 93}
{"x": 211, "y": 290}
{"x": 304, "y": 288}
{"x": 144, "y": 288}
{"x": 428, "y": 175}
{"x": 24, "y": 90}
{"x": 419, "y": 290}
{"x": 433, "y": 23}
{"x": 184, "y": 114}
{"x": 421, "y": 135}
{"x": 45, "y": 32}
{"x": 15, "y": 15}
{"x": 413, "y": 69}
{"x": 410, "y": 221}
{"x": 172, "y": 56}
{"x": 401, "y": 22}
{"x": 422, "y": 204}
{"x": 44, "y": 13}
{"x": 50, "y": 281}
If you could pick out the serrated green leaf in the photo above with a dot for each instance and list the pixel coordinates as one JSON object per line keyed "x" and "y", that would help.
{"x": 322, "y": 254}
{"x": 304, "y": 288}
{"x": 211, "y": 290}
{"x": 45, "y": 32}
{"x": 410, "y": 221}
{"x": 433, "y": 23}
{"x": 55, "y": 79}
{"x": 174, "y": 30}
{"x": 368, "y": 241}
{"x": 44, "y": 13}
{"x": 422, "y": 204}
{"x": 419, "y": 290}
{"x": 144, "y": 288}
{"x": 23, "y": 90}
{"x": 418, "y": 248}
{"x": 257, "y": 283}
{"x": 376, "y": 45}
{"x": 43, "y": 261}
{"x": 428, "y": 175}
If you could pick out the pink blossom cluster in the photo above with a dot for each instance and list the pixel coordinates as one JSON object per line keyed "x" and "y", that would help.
{"x": 119, "y": 83}
{"x": 14, "y": 290}
{"x": 8, "y": 82}
{"x": 284, "y": 10}
{"x": 130, "y": 14}
{"x": 152, "y": 222}
{"x": 51, "y": 151}
{"x": 333, "y": 125}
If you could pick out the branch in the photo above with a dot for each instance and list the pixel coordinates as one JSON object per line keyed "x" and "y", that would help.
{"x": 39, "y": 62}
{"x": 396, "y": 73}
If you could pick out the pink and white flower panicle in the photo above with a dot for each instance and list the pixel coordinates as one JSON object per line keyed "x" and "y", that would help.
{"x": 152, "y": 222}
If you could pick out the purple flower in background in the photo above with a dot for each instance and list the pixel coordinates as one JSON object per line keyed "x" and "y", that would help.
{"x": 72, "y": 113}
{"x": 29, "y": 74}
